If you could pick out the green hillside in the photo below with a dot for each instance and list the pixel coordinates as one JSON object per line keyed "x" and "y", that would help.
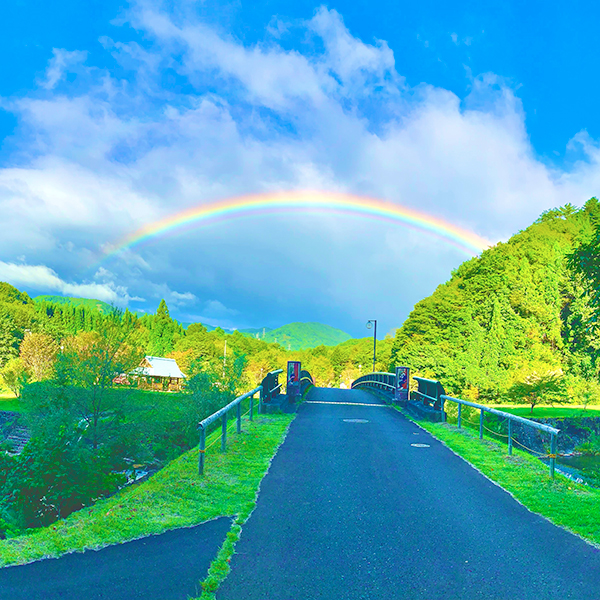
{"x": 299, "y": 336}
{"x": 88, "y": 303}
{"x": 516, "y": 317}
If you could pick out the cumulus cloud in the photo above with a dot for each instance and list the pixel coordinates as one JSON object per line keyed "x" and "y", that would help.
{"x": 103, "y": 158}
{"x": 41, "y": 277}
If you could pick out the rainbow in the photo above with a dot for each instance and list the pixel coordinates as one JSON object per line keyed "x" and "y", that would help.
{"x": 302, "y": 201}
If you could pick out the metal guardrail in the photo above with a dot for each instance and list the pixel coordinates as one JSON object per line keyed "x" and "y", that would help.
{"x": 268, "y": 389}
{"x": 386, "y": 381}
{"x": 483, "y": 409}
{"x": 306, "y": 380}
{"x": 271, "y": 387}
{"x": 429, "y": 391}
{"x": 222, "y": 414}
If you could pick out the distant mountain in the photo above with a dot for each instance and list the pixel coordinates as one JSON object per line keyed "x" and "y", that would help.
{"x": 103, "y": 307}
{"x": 300, "y": 336}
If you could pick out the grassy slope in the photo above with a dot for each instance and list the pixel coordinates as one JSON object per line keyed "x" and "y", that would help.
{"x": 300, "y": 336}
{"x": 175, "y": 497}
{"x": 565, "y": 503}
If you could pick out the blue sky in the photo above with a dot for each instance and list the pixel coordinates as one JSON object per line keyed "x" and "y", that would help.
{"x": 114, "y": 114}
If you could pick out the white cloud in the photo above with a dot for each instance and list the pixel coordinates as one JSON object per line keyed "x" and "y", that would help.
{"x": 41, "y": 277}
{"x": 60, "y": 63}
{"x": 331, "y": 113}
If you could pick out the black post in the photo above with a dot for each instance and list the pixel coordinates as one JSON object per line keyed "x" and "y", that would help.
{"x": 374, "y": 345}
{"x": 373, "y": 323}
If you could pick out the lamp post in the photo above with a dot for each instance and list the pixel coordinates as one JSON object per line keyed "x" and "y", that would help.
{"x": 372, "y": 323}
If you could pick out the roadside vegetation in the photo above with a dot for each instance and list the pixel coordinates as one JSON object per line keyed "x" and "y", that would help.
{"x": 174, "y": 497}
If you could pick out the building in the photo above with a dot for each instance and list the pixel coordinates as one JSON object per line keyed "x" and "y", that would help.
{"x": 159, "y": 374}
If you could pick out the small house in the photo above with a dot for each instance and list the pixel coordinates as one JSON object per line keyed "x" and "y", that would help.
{"x": 159, "y": 374}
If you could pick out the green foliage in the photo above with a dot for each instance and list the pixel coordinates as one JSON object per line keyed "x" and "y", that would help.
{"x": 517, "y": 310}
{"x": 38, "y": 354}
{"x": 163, "y": 331}
{"x": 537, "y": 388}
{"x": 300, "y": 336}
{"x": 14, "y": 376}
{"x": 87, "y": 303}
{"x": 11, "y": 295}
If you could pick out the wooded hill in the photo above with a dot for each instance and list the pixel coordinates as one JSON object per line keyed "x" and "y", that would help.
{"x": 518, "y": 315}
{"x": 299, "y": 336}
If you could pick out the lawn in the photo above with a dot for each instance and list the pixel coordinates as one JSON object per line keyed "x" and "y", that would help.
{"x": 565, "y": 503}
{"x": 548, "y": 412}
{"x": 174, "y": 497}
{"x": 9, "y": 402}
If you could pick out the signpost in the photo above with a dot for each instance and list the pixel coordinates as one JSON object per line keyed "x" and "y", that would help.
{"x": 293, "y": 380}
{"x": 402, "y": 384}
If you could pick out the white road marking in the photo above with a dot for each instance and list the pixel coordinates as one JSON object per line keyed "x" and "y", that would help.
{"x": 344, "y": 403}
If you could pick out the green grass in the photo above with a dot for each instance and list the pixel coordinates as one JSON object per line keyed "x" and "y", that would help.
{"x": 547, "y": 412}
{"x": 175, "y": 497}
{"x": 9, "y": 402}
{"x": 565, "y": 503}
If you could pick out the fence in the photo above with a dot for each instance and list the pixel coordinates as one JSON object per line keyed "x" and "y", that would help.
{"x": 383, "y": 381}
{"x": 268, "y": 389}
{"x": 510, "y": 417}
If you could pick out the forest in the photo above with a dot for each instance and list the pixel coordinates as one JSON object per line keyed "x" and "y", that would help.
{"x": 519, "y": 322}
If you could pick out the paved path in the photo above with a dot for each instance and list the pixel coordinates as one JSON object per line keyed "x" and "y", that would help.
{"x": 351, "y": 510}
{"x": 169, "y": 566}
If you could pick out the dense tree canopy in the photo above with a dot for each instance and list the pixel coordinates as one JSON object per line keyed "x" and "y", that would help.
{"x": 518, "y": 313}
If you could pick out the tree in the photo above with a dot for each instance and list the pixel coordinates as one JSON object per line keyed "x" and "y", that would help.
{"x": 38, "y": 353}
{"x": 87, "y": 367}
{"x": 162, "y": 332}
{"x": 14, "y": 376}
{"x": 534, "y": 388}
{"x": 10, "y": 338}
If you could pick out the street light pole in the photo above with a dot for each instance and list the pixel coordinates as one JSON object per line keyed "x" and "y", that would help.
{"x": 372, "y": 323}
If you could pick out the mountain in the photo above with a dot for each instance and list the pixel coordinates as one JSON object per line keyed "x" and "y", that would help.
{"x": 103, "y": 307}
{"x": 299, "y": 336}
{"x": 518, "y": 314}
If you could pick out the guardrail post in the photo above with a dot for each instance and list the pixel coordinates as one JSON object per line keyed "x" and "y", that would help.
{"x": 552, "y": 454}
{"x": 252, "y": 407}
{"x": 224, "y": 432}
{"x": 510, "y": 437}
{"x": 459, "y": 412}
{"x": 481, "y": 425}
{"x": 443, "y": 413}
{"x": 239, "y": 418}
{"x": 202, "y": 451}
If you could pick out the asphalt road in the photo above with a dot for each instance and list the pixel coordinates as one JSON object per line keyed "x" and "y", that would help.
{"x": 351, "y": 509}
{"x": 169, "y": 566}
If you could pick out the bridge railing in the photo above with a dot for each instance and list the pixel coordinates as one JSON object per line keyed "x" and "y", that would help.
{"x": 306, "y": 381}
{"x": 430, "y": 393}
{"x": 268, "y": 389}
{"x": 511, "y": 419}
{"x": 377, "y": 380}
